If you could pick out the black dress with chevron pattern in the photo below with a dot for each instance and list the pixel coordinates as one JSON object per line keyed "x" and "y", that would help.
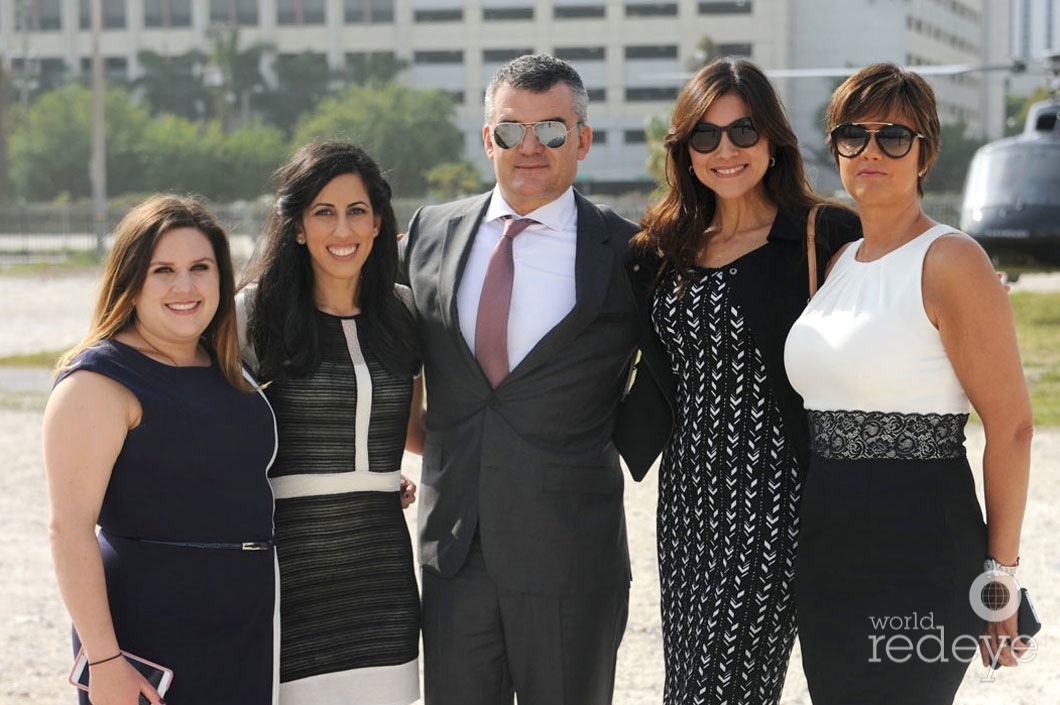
{"x": 729, "y": 489}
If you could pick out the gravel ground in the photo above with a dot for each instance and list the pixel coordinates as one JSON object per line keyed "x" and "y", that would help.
{"x": 48, "y": 312}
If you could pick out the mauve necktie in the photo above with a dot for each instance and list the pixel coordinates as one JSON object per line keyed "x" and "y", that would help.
{"x": 491, "y": 326}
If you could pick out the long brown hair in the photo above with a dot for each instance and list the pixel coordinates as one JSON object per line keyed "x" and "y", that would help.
{"x": 135, "y": 240}
{"x": 673, "y": 228}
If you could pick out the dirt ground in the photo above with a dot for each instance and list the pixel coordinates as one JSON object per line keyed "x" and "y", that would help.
{"x": 50, "y": 312}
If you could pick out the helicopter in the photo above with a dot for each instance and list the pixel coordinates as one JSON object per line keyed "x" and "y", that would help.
{"x": 1011, "y": 197}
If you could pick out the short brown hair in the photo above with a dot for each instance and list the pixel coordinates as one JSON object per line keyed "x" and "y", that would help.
{"x": 887, "y": 88}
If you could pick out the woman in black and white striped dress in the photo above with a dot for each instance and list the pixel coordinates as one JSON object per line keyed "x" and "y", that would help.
{"x": 328, "y": 330}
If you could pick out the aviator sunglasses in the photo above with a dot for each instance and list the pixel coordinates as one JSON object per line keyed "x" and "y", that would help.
{"x": 551, "y": 133}
{"x": 706, "y": 137}
{"x": 895, "y": 141}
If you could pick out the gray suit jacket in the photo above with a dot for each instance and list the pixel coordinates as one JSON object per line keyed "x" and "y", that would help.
{"x": 530, "y": 463}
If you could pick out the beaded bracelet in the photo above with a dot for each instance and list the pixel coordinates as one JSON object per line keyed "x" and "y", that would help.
{"x": 104, "y": 660}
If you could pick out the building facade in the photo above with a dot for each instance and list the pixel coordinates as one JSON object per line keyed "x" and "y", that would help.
{"x": 634, "y": 55}
{"x": 1035, "y": 34}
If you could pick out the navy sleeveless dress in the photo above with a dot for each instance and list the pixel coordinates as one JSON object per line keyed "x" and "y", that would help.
{"x": 192, "y": 472}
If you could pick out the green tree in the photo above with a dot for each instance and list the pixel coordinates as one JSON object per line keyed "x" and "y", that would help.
{"x": 1017, "y": 107}
{"x": 245, "y": 160}
{"x": 50, "y": 158}
{"x": 177, "y": 155}
{"x": 374, "y": 68}
{"x": 6, "y": 122}
{"x": 302, "y": 80}
{"x": 655, "y": 133}
{"x": 183, "y": 156}
{"x": 947, "y": 175}
{"x": 408, "y": 131}
{"x": 167, "y": 153}
{"x": 233, "y": 75}
{"x": 706, "y": 51}
{"x": 173, "y": 84}
{"x": 453, "y": 180}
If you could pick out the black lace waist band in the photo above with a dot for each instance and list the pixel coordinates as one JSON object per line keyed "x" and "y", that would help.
{"x": 882, "y": 435}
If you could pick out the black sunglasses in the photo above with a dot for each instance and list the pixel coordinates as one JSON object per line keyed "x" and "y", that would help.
{"x": 851, "y": 138}
{"x": 706, "y": 137}
{"x": 551, "y": 133}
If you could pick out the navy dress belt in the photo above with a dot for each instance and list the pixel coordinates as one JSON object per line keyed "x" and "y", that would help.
{"x": 223, "y": 545}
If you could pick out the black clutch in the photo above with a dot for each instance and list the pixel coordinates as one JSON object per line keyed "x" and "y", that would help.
{"x": 1027, "y": 622}
{"x": 1027, "y": 617}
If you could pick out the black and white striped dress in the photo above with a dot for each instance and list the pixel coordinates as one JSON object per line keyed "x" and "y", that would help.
{"x": 728, "y": 505}
{"x": 349, "y": 605}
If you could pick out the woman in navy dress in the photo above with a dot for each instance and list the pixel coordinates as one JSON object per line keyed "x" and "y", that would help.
{"x": 153, "y": 433}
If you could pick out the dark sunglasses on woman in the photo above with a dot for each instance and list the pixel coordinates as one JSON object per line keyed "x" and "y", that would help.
{"x": 851, "y": 138}
{"x": 706, "y": 137}
{"x": 550, "y": 133}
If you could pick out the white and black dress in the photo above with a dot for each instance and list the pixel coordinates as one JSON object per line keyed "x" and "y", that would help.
{"x": 892, "y": 533}
{"x": 728, "y": 502}
{"x": 349, "y": 605}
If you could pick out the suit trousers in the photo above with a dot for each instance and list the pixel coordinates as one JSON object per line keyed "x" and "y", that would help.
{"x": 483, "y": 644}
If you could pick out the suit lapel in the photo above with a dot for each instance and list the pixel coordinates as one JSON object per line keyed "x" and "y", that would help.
{"x": 459, "y": 236}
{"x": 593, "y": 262}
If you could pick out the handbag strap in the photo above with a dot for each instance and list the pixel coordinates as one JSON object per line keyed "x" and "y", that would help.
{"x": 811, "y": 249}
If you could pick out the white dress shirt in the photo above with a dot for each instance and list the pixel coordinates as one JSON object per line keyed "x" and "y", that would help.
{"x": 543, "y": 289}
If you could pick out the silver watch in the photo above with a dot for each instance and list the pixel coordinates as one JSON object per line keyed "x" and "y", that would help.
{"x": 990, "y": 565}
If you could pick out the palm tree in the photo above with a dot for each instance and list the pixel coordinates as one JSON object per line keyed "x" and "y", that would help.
{"x": 232, "y": 75}
{"x": 173, "y": 84}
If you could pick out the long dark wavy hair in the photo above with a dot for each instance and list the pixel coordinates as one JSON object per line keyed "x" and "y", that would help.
{"x": 282, "y": 325}
{"x": 673, "y": 228}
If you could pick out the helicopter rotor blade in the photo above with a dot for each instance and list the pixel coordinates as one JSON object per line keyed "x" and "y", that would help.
{"x": 924, "y": 69}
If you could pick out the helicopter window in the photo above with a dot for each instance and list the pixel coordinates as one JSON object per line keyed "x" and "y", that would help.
{"x": 1046, "y": 122}
{"x": 1043, "y": 177}
{"x": 1015, "y": 175}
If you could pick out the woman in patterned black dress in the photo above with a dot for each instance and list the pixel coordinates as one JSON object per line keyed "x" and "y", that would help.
{"x": 722, "y": 273}
{"x": 333, "y": 337}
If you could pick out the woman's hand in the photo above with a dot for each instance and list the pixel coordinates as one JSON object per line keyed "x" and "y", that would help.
{"x": 408, "y": 492}
{"x": 116, "y": 682}
{"x": 1000, "y": 643}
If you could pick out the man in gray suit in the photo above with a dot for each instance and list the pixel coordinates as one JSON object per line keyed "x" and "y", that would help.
{"x": 522, "y": 529}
